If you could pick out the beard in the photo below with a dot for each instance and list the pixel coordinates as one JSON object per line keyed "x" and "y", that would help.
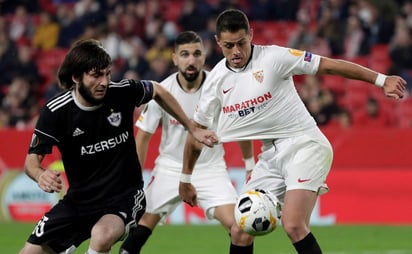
{"x": 87, "y": 95}
{"x": 190, "y": 77}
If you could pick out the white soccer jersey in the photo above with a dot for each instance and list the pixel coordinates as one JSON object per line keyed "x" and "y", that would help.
{"x": 260, "y": 100}
{"x": 174, "y": 134}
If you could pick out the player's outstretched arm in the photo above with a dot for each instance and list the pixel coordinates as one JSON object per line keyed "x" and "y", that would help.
{"x": 171, "y": 106}
{"x": 393, "y": 86}
{"x": 191, "y": 153}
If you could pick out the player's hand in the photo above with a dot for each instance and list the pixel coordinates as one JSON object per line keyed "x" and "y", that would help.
{"x": 50, "y": 181}
{"x": 205, "y": 137}
{"x": 394, "y": 87}
{"x": 188, "y": 193}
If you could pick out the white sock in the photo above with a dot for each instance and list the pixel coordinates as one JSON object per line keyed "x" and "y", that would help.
{"x": 91, "y": 251}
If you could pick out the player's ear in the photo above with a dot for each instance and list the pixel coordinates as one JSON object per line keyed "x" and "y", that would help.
{"x": 251, "y": 34}
{"x": 75, "y": 80}
{"x": 174, "y": 58}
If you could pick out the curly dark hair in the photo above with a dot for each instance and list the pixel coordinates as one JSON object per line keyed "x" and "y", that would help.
{"x": 84, "y": 56}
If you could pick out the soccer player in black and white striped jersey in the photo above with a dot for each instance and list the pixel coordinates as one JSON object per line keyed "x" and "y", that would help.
{"x": 91, "y": 123}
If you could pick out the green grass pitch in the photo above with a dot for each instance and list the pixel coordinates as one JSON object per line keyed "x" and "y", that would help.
{"x": 206, "y": 239}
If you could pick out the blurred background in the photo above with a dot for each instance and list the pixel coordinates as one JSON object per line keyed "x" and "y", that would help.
{"x": 371, "y": 134}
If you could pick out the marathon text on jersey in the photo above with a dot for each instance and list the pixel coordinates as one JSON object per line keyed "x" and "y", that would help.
{"x": 248, "y": 106}
{"x": 105, "y": 144}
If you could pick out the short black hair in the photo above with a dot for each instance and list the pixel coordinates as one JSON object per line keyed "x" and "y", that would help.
{"x": 84, "y": 56}
{"x": 231, "y": 20}
{"x": 187, "y": 37}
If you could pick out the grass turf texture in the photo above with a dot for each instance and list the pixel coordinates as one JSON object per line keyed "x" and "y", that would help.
{"x": 206, "y": 239}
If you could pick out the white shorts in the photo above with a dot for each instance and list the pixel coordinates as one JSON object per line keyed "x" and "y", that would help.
{"x": 214, "y": 188}
{"x": 301, "y": 162}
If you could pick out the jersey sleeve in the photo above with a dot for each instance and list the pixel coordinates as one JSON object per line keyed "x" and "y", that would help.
{"x": 295, "y": 62}
{"x": 205, "y": 110}
{"x": 145, "y": 88}
{"x": 45, "y": 134}
{"x": 150, "y": 117}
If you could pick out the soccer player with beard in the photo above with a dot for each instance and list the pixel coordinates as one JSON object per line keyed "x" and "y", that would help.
{"x": 91, "y": 123}
{"x": 252, "y": 94}
{"x": 217, "y": 196}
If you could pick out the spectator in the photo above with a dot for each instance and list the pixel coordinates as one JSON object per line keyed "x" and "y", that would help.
{"x": 109, "y": 38}
{"x": 26, "y": 66}
{"x": 20, "y": 103}
{"x": 355, "y": 41}
{"x": 331, "y": 29}
{"x": 329, "y": 105}
{"x": 8, "y": 53}
{"x": 160, "y": 48}
{"x": 53, "y": 88}
{"x": 88, "y": 12}
{"x": 159, "y": 69}
{"x": 309, "y": 88}
{"x": 4, "y": 118}
{"x": 70, "y": 27}
{"x": 373, "y": 115}
{"x": 46, "y": 34}
{"x": 21, "y": 25}
{"x": 192, "y": 18}
{"x": 301, "y": 38}
{"x": 400, "y": 53}
{"x": 263, "y": 10}
{"x": 135, "y": 61}
{"x": 344, "y": 119}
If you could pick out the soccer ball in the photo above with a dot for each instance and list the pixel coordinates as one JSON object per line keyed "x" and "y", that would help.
{"x": 257, "y": 212}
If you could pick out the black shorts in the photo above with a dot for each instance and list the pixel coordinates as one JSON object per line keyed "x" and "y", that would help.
{"x": 64, "y": 226}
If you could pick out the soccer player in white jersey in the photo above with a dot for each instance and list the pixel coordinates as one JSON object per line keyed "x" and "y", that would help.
{"x": 217, "y": 196}
{"x": 91, "y": 123}
{"x": 252, "y": 93}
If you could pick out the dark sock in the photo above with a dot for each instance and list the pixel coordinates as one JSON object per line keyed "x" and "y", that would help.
{"x": 308, "y": 245}
{"x": 135, "y": 240}
{"x": 234, "y": 249}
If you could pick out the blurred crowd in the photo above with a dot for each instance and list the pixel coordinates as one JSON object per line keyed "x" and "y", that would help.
{"x": 139, "y": 35}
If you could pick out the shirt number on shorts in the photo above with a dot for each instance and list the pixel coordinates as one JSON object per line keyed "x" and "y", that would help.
{"x": 39, "y": 229}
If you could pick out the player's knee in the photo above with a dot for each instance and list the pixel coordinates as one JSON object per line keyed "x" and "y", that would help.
{"x": 295, "y": 231}
{"x": 240, "y": 238}
{"x": 102, "y": 237}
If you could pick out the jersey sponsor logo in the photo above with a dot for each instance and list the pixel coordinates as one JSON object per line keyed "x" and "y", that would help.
{"x": 104, "y": 145}
{"x": 225, "y": 91}
{"x": 115, "y": 119}
{"x": 300, "y": 180}
{"x": 258, "y": 76}
{"x": 77, "y": 132}
{"x": 296, "y": 52}
{"x": 247, "y": 107}
{"x": 308, "y": 57}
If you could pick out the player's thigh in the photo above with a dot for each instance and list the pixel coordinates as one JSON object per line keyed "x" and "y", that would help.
{"x": 162, "y": 194}
{"x": 35, "y": 249}
{"x": 214, "y": 189}
{"x": 225, "y": 215}
{"x": 61, "y": 228}
{"x": 297, "y": 208}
